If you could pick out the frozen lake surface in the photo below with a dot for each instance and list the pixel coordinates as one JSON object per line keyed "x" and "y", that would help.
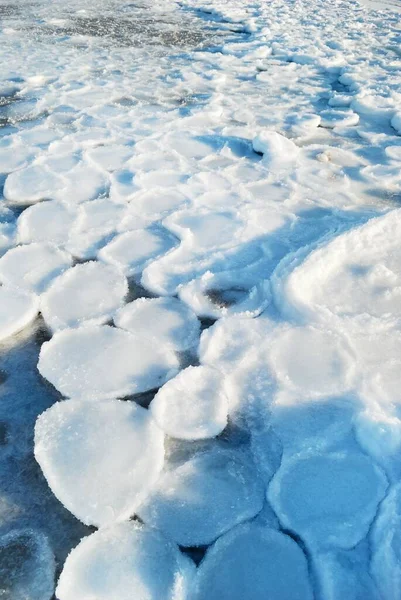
{"x": 200, "y": 300}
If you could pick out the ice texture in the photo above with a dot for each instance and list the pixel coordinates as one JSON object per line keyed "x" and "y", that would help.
{"x": 166, "y": 320}
{"x": 33, "y": 266}
{"x": 328, "y": 499}
{"x": 100, "y": 460}
{"x": 17, "y": 310}
{"x": 98, "y": 362}
{"x": 126, "y": 559}
{"x": 253, "y": 561}
{"x": 195, "y": 502}
{"x": 88, "y": 293}
{"x": 192, "y": 405}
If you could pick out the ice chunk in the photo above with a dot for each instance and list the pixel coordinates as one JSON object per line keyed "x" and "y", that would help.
{"x": 355, "y": 276}
{"x": 96, "y": 223}
{"x": 46, "y": 222}
{"x": 386, "y": 545}
{"x": 123, "y": 562}
{"x": 328, "y": 499}
{"x": 253, "y": 562}
{"x": 88, "y": 293}
{"x": 32, "y": 184}
{"x": 325, "y": 366}
{"x": 167, "y": 320}
{"x": 202, "y": 498}
{"x": 17, "y": 310}
{"x": 27, "y": 566}
{"x": 278, "y": 151}
{"x": 133, "y": 250}
{"x": 193, "y": 405}
{"x": 98, "y": 362}
{"x": 100, "y": 460}
{"x": 33, "y": 266}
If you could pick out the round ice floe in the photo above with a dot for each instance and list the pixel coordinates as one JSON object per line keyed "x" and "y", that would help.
{"x": 27, "y": 566}
{"x": 95, "y": 224}
{"x": 167, "y": 320}
{"x": 123, "y": 562}
{"x": 46, "y": 222}
{"x": 99, "y": 459}
{"x": 386, "y": 545}
{"x": 133, "y": 250}
{"x": 98, "y": 362}
{"x": 328, "y": 499}
{"x": 17, "y": 310}
{"x": 204, "y": 497}
{"x": 33, "y": 266}
{"x": 193, "y": 405}
{"x": 32, "y": 184}
{"x": 88, "y": 293}
{"x": 357, "y": 274}
{"x": 312, "y": 362}
{"x": 253, "y": 562}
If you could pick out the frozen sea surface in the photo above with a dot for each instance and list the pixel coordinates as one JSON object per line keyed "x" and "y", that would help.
{"x": 200, "y": 284}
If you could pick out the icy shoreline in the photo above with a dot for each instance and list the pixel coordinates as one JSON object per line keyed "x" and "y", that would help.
{"x": 201, "y": 297}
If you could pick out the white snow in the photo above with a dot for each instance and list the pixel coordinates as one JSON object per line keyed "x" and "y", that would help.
{"x": 192, "y": 405}
{"x": 165, "y": 320}
{"x": 17, "y": 310}
{"x": 45, "y": 222}
{"x": 27, "y": 566}
{"x": 98, "y": 362}
{"x": 32, "y": 267}
{"x": 195, "y": 502}
{"x": 126, "y": 559}
{"x": 88, "y": 293}
{"x": 133, "y": 250}
{"x": 100, "y": 460}
{"x": 252, "y": 561}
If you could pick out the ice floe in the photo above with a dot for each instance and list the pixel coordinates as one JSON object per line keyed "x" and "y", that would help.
{"x": 98, "y": 362}
{"x": 17, "y": 310}
{"x": 88, "y": 293}
{"x": 123, "y": 559}
{"x": 193, "y": 405}
{"x": 252, "y": 561}
{"x": 195, "y": 502}
{"x": 165, "y": 320}
{"x": 119, "y": 450}
{"x": 33, "y": 266}
{"x": 329, "y": 499}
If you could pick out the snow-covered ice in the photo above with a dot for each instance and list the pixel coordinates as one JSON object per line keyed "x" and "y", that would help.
{"x": 126, "y": 559}
{"x": 100, "y": 460}
{"x": 88, "y": 293}
{"x": 328, "y": 499}
{"x": 202, "y": 200}
{"x": 166, "y": 320}
{"x": 97, "y": 362}
{"x": 193, "y": 405}
{"x": 195, "y": 502}
{"x": 17, "y": 310}
{"x": 252, "y": 561}
{"x": 33, "y": 266}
